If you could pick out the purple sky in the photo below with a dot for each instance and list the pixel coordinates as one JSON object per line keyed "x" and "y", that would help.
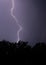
{"x": 31, "y": 14}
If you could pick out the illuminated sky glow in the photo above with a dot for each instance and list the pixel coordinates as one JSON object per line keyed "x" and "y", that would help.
{"x": 30, "y": 14}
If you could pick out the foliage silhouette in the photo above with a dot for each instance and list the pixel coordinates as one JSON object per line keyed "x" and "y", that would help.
{"x": 22, "y": 52}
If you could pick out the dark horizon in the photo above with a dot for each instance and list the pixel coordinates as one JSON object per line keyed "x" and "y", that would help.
{"x": 22, "y": 53}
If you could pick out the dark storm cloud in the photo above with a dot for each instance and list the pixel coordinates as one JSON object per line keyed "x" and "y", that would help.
{"x": 39, "y": 2}
{"x": 40, "y": 6}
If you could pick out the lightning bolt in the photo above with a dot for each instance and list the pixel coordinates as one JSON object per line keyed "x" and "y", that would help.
{"x": 12, "y": 14}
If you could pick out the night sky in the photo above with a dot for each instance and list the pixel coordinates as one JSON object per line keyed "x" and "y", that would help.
{"x": 31, "y": 15}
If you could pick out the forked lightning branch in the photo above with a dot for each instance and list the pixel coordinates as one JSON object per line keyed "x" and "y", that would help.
{"x": 16, "y": 20}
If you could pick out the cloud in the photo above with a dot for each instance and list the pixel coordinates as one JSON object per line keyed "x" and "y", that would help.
{"x": 39, "y": 3}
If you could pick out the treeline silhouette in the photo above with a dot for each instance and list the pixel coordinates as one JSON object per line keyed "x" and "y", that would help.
{"x": 23, "y": 53}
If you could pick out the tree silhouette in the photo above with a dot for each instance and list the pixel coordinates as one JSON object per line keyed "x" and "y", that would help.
{"x": 22, "y": 52}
